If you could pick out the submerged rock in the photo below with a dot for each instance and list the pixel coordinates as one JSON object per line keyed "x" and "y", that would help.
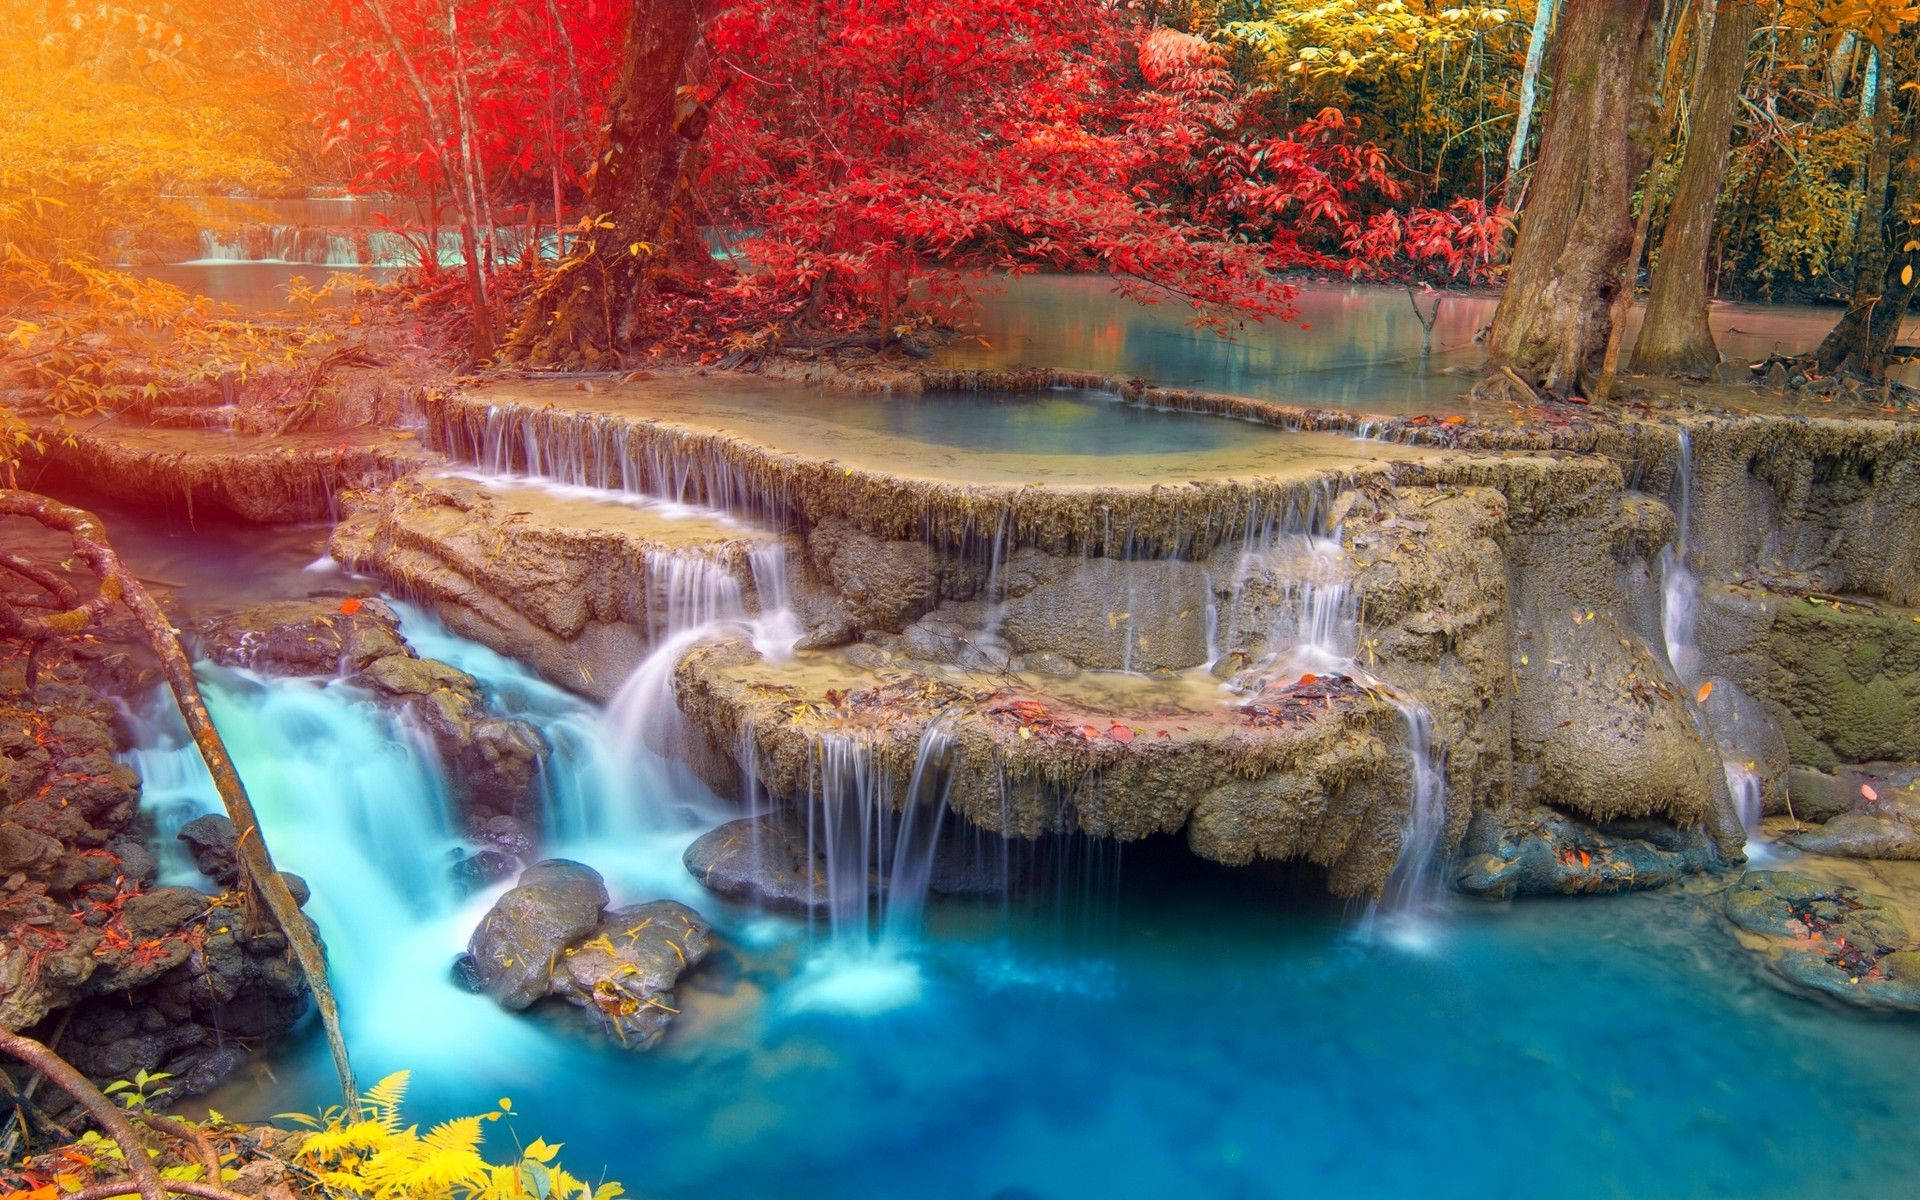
{"x": 555, "y": 904}
{"x": 1536, "y": 851}
{"x": 1828, "y": 938}
{"x": 625, "y": 970}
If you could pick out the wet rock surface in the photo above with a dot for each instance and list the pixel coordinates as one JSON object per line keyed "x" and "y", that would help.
{"x": 554, "y": 904}
{"x": 766, "y": 862}
{"x": 762, "y": 861}
{"x": 552, "y": 935}
{"x": 1536, "y": 851}
{"x": 624, "y": 972}
{"x": 1828, "y": 939}
{"x": 135, "y": 977}
{"x": 494, "y": 762}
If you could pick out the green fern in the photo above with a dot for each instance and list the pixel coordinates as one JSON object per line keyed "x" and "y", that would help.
{"x": 371, "y": 1155}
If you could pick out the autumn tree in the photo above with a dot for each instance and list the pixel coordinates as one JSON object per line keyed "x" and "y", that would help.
{"x": 639, "y": 225}
{"x": 1674, "y": 336}
{"x": 1888, "y": 233}
{"x": 1550, "y": 330}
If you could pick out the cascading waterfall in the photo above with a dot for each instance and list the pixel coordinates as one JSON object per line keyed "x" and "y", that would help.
{"x": 1314, "y": 628}
{"x": 594, "y": 450}
{"x": 379, "y": 847}
{"x": 1679, "y": 615}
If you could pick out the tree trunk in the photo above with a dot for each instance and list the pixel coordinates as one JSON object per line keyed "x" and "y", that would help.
{"x": 1675, "y": 338}
{"x": 1550, "y": 330}
{"x": 1861, "y": 340}
{"x": 591, "y": 311}
{"x": 1529, "y": 88}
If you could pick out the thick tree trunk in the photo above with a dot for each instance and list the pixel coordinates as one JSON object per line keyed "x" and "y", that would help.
{"x": 1675, "y": 338}
{"x": 1550, "y": 330}
{"x": 592, "y": 311}
{"x": 1862, "y": 340}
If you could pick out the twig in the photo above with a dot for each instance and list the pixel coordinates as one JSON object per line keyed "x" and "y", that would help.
{"x": 209, "y": 1157}
{"x": 179, "y": 1187}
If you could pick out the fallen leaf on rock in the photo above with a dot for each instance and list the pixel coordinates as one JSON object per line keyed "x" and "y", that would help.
{"x": 350, "y": 605}
{"x": 1866, "y": 790}
{"x": 1121, "y": 734}
{"x": 1706, "y": 689}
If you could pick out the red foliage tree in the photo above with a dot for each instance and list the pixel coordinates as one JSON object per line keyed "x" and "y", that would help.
{"x": 868, "y": 154}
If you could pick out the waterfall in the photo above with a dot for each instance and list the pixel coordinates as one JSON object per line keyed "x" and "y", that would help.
{"x": 1679, "y": 617}
{"x": 1415, "y": 881}
{"x": 1314, "y": 628}
{"x": 359, "y": 808}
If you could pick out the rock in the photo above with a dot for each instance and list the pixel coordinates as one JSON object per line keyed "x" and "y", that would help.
{"x": 762, "y": 861}
{"x": 495, "y": 762}
{"x": 884, "y": 585}
{"x": 1610, "y": 736}
{"x": 161, "y": 911}
{"x": 210, "y": 840}
{"x": 1816, "y": 795}
{"x": 482, "y": 868}
{"x": 137, "y": 863}
{"x": 1828, "y": 939}
{"x": 625, "y": 970}
{"x": 305, "y": 637}
{"x": 1860, "y": 834}
{"x": 1536, "y": 851}
{"x": 555, "y": 903}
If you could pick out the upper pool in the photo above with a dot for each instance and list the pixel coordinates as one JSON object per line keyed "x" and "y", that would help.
{"x": 1061, "y": 437}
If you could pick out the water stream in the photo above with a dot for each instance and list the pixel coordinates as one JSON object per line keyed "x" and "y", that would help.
{"x": 1210, "y": 1035}
{"x": 1679, "y": 615}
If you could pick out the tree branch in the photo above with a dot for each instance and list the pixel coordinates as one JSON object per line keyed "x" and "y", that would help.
{"x": 146, "y": 1181}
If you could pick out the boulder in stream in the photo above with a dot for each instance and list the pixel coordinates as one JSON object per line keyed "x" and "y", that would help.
{"x": 512, "y": 953}
{"x": 552, "y": 935}
{"x": 763, "y": 861}
{"x": 625, "y": 970}
{"x": 1827, "y": 938}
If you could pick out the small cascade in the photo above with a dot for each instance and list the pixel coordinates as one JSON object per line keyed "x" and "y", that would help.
{"x": 878, "y": 862}
{"x": 1293, "y": 582}
{"x": 386, "y": 802}
{"x": 1679, "y": 616}
{"x": 599, "y": 451}
{"x": 1416, "y": 880}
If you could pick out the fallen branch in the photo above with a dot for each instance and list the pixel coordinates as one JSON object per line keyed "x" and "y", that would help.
{"x": 146, "y": 1181}
{"x": 265, "y": 886}
{"x": 179, "y": 1187}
